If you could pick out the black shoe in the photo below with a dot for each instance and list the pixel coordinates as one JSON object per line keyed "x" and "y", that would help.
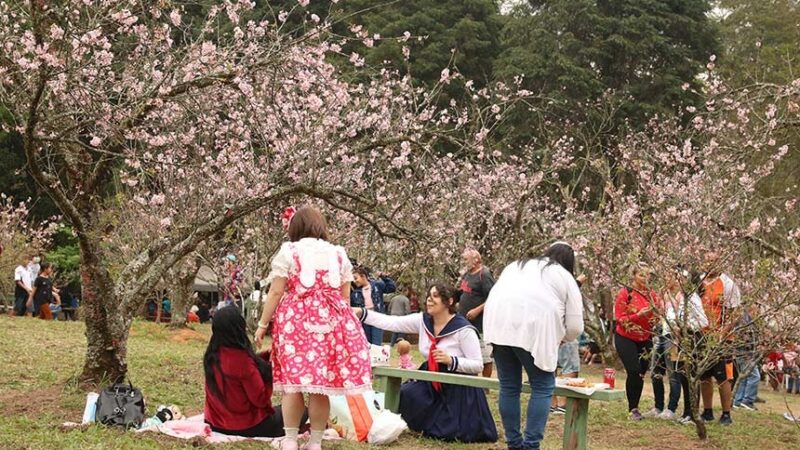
{"x": 707, "y": 415}
{"x": 725, "y": 420}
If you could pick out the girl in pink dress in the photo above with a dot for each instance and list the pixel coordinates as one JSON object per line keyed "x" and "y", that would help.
{"x": 318, "y": 346}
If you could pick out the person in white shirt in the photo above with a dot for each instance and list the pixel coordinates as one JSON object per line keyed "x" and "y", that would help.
{"x": 449, "y": 343}
{"x": 534, "y": 306}
{"x": 23, "y": 285}
{"x": 683, "y": 320}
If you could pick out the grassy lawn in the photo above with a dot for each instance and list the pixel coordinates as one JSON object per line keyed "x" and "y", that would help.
{"x": 39, "y": 360}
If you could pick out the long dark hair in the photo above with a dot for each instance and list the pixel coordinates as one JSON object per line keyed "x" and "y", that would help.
{"x": 559, "y": 253}
{"x": 229, "y": 330}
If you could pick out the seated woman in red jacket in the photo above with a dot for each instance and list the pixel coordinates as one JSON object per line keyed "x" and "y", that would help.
{"x": 238, "y": 383}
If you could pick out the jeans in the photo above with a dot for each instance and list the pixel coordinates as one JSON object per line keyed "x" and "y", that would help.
{"x": 395, "y": 337}
{"x": 510, "y": 362}
{"x": 19, "y": 305}
{"x": 748, "y": 387}
{"x": 659, "y": 371}
{"x": 374, "y": 334}
{"x": 677, "y": 382}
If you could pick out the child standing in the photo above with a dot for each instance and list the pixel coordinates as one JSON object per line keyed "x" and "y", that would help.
{"x": 318, "y": 346}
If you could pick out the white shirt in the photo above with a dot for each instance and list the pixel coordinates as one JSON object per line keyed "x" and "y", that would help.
{"x": 462, "y": 345}
{"x": 314, "y": 255}
{"x": 690, "y": 312}
{"x": 21, "y": 273}
{"x": 534, "y": 308}
{"x": 730, "y": 291}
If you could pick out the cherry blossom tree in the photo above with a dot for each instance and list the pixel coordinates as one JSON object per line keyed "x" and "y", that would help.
{"x": 19, "y": 236}
{"x": 202, "y": 128}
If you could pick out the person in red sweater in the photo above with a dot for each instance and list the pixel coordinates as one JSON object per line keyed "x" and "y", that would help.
{"x": 634, "y": 312}
{"x": 238, "y": 383}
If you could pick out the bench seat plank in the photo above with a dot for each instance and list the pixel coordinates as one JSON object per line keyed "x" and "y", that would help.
{"x": 486, "y": 383}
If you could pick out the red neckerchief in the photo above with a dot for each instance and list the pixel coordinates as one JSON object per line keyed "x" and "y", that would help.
{"x": 433, "y": 366}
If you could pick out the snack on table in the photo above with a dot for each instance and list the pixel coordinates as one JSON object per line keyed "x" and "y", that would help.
{"x": 580, "y": 383}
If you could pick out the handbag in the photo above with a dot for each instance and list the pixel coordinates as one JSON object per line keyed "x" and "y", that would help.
{"x": 120, "y": 405}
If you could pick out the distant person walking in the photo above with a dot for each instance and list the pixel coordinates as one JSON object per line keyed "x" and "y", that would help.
{"x": 23, "y": 286}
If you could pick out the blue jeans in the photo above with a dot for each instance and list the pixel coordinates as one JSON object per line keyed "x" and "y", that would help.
{"x": 395, "y": 337}
{"x": 748, "y": 387}
{"x": 510, "y": 362}
{"x": 374, "y": 334}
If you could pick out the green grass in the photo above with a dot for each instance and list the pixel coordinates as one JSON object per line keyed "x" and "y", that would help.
{"x": 40, "y": 360}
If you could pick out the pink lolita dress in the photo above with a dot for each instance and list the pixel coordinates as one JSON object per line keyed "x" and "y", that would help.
{"x": 318, "y": 345}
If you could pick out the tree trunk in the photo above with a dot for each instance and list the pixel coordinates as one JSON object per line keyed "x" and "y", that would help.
{"x": 107, "y": 325}
{"x": 182, "y": 292}
{"x": 694, "y": 394}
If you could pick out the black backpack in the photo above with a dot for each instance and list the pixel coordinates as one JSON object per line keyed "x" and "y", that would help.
{"x": 120, "y": 405}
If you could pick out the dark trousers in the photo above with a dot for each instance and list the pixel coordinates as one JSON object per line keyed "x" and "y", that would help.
{"x": 19, "y": 305}
{"x": 635, "y": 357}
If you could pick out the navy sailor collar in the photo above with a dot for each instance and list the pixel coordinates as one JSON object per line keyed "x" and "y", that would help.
{"x": 456, "y": 324}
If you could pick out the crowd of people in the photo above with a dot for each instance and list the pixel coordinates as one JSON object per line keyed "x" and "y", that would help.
{"x": 324, "y": 310}
{"x": 327, "y": 311}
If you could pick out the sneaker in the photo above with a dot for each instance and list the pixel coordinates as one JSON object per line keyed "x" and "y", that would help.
{"x": 559, "y": 411}
{"x": 749, "y": 407}
{"x": 667, "y": 415}
{"x": 654, "y": 412}
{"x": 636, "y": 415}
{"x": 725, "y": 420}
{"x": 708, "y": 416}
{"x": 686, "y": 420}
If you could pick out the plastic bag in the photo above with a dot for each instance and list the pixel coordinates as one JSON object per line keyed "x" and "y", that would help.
{"x": 352, "y": 415}
{"x": 386, "y": 428}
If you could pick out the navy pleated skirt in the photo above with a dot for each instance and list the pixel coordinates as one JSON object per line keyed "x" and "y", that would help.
{"x": 455, "y": 413}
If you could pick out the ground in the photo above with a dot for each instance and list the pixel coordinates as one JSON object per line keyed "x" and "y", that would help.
{"x": 40, "y": 360}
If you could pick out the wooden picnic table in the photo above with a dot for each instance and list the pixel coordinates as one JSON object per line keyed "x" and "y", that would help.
{"x": 577, "y": 415}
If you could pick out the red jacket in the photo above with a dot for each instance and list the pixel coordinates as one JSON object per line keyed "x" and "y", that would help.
{"x": 629, "y": 325}
{"x": 245, "y": 399}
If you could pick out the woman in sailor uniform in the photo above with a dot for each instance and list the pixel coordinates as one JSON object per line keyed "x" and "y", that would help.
{"x": 449, "y": 343}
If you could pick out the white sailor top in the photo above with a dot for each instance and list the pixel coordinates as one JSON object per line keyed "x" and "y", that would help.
{"x": 458, "y": 338}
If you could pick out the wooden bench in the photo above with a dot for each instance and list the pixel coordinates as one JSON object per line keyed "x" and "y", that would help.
{"x": 576, "y": 419}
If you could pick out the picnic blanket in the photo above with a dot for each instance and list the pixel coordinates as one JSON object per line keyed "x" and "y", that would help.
{"x": 195, "y": 427}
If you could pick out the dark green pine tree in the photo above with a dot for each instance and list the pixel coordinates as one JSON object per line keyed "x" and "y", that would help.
{"x": 645, "y": 51}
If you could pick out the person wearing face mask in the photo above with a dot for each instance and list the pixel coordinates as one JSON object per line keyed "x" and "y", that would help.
{"x": 449, "y": 343}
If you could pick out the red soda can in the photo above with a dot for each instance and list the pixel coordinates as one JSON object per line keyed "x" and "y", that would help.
{"x": 609, "y": 375}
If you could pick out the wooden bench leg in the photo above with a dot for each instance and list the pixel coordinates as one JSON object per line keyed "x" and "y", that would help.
{"x": 392, "y": 394}
{"x": 575, "y": 423}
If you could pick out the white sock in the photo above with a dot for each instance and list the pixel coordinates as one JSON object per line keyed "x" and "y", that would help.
{"x": 291, "y": 433}
{"x": 316, "y": 437}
